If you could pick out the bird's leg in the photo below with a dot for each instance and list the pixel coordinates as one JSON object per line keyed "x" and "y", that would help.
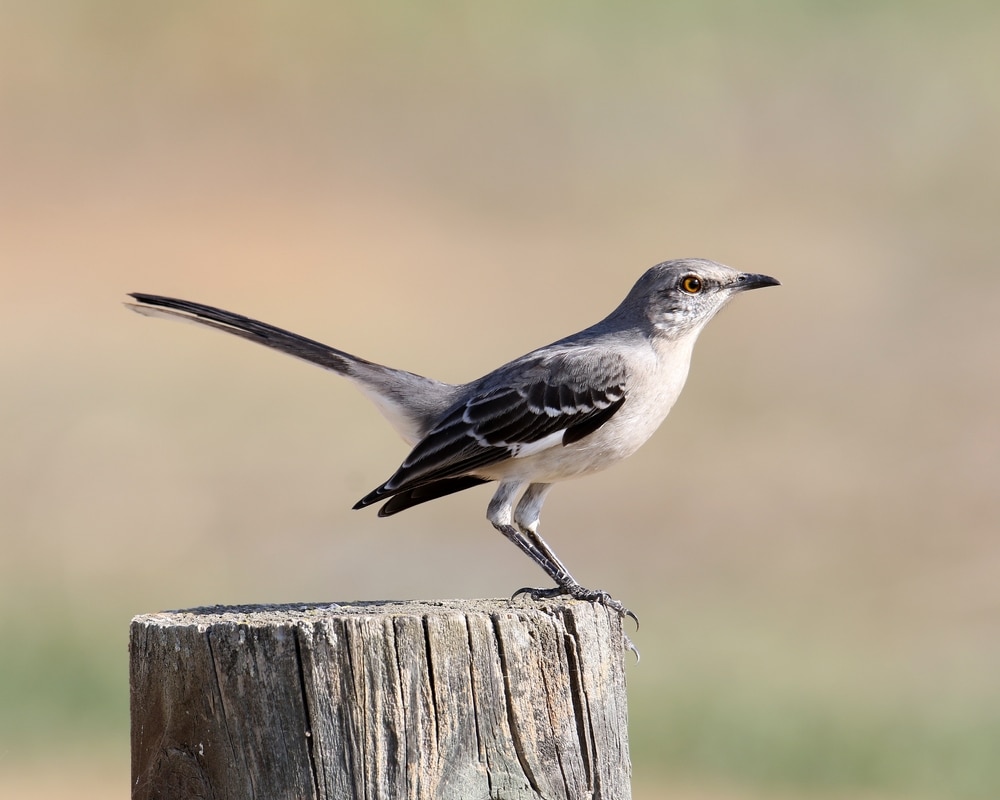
{"x": 524, "y": 533}
{"x": 501, "y": 515}
{"x": 526, "y": 519}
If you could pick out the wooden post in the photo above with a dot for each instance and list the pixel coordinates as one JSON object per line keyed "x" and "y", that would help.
{"x": 460, "y": 699}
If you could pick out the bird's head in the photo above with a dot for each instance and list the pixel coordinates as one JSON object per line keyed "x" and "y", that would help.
{"x": 678, "y": 298}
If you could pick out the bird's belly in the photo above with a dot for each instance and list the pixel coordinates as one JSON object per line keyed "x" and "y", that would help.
{"x": 555, "y": 464}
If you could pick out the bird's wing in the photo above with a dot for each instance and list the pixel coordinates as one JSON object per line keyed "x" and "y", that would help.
{"x": 542, "y": 401}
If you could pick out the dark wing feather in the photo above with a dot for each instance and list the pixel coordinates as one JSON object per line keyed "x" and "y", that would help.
{"x": 585, "y": 427}
{"x": 523, "y": 403}
{"x": 431, "y": 491}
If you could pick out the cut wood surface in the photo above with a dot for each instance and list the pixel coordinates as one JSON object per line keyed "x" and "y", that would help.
{"x": 463, "y": 699}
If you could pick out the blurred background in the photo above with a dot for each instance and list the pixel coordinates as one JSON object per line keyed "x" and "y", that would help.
{"x": 811, "y": 541}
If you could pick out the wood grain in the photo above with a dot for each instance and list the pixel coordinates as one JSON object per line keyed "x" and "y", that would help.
{"x": 432, "y": 699}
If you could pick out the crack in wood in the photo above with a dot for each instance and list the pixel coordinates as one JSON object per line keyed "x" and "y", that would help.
{"x": 579, "y": 697}
{"x": 306, "y": 711}
{"x": 480, "y": 745}
{"x": 515, "y": 731}
{"x": 220, "y": 694}
{"x": 429, "y": 653}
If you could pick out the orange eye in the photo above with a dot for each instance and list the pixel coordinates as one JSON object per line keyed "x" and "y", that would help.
{"x": 691, "y": 284}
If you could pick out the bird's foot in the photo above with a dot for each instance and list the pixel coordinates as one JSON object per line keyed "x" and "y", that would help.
{"x": 578, "y": 592}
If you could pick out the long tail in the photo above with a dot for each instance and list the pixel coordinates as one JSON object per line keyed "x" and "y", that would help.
{"x": 410, "y": 402}
{"x": 154, "y": 305}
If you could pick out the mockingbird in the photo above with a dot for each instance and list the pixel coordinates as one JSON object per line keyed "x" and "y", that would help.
{"x": 570, "y": 408}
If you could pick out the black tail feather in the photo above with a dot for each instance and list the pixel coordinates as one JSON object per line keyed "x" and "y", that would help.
{"x": 253, "y": 330}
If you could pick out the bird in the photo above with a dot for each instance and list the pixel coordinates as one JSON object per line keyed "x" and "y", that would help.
{"x": 568, "y": 409}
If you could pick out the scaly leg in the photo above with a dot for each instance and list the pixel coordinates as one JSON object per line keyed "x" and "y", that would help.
{"x": 521, "y": 527}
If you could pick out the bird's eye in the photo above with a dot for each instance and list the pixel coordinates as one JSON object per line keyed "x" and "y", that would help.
{"x": 691, "y": 284}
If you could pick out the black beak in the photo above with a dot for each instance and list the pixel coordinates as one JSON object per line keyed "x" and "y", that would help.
{"x": 749, "y": 280}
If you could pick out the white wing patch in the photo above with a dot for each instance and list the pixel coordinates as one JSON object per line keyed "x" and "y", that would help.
{"x": 525, "y": 449}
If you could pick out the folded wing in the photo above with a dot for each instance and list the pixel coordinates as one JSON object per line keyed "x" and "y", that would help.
{"x": 543, "y": 401}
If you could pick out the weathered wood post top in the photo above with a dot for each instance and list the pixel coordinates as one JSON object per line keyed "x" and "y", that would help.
{"x": 451, "y": 699}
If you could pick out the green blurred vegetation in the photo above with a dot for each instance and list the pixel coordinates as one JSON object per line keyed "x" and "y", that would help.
{"x": 810, "y": 541}
{"x": 60, "y": 687}
{"x": 777, "y": 732}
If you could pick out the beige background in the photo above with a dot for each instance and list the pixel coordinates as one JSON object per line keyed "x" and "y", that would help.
{"x": 810, "y": 541}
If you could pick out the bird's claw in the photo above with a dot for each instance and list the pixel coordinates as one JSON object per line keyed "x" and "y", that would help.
{"x": 630, "y": 645}
{"x": 578, "y": 592}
